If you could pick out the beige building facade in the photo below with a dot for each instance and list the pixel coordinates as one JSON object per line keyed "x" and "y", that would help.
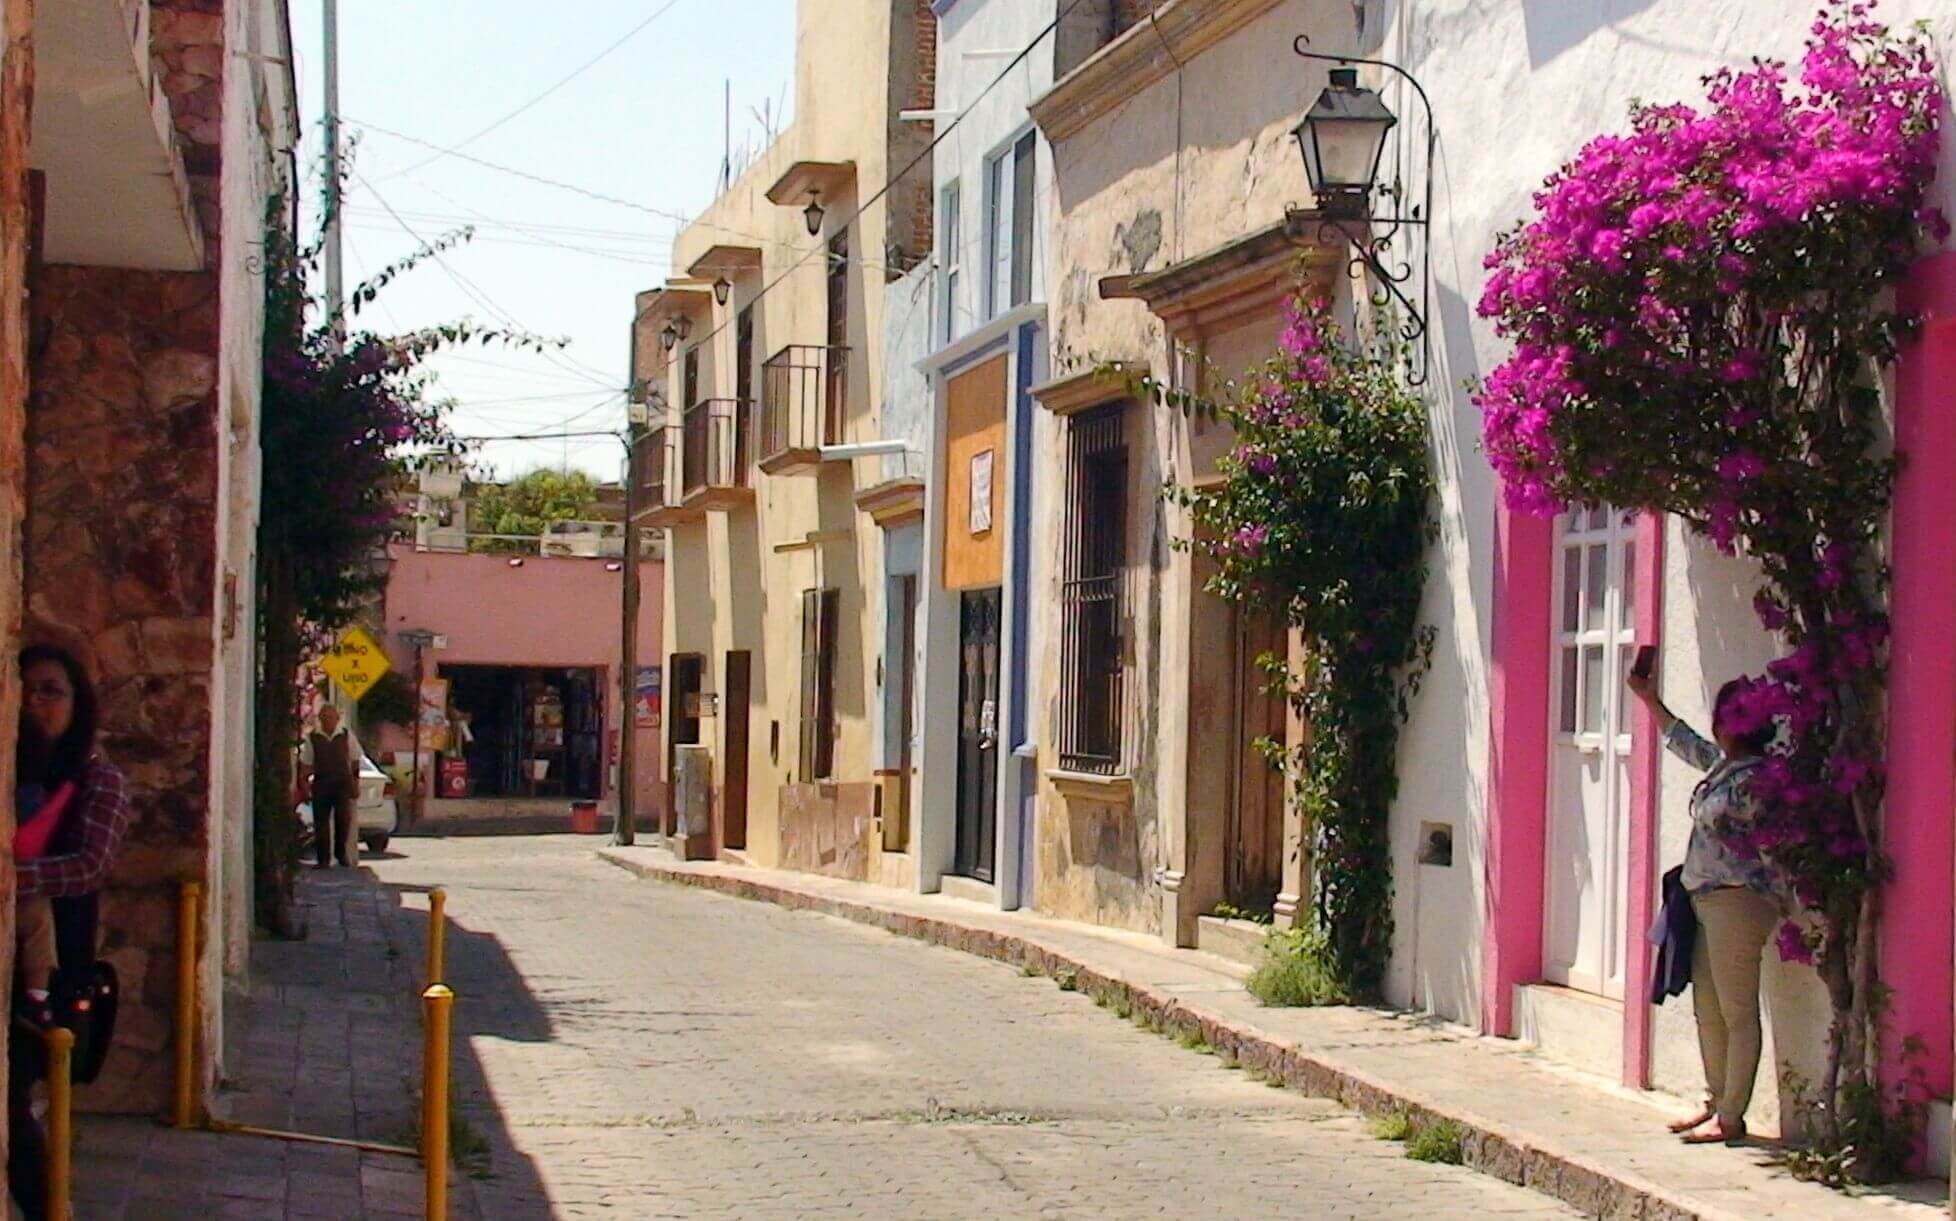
{"x": 1172, "y": 257}
{"x": 764, "y": 461}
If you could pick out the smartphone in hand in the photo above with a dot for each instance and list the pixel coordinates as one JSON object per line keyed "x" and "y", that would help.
{"x": 1646, "y": 661}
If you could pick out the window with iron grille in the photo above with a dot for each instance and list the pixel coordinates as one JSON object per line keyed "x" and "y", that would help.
{"x": 820, "y": 621}
{"x": 692, "y": 377}
{"x": 743, "y": 389}
{"x": 1092, "y": 572}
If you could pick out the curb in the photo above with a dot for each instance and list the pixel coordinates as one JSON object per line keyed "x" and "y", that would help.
{"x": 1485, "y": 1146}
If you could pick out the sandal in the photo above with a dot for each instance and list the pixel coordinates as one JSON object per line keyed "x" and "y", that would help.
{"x": 1735, "y": 1135}
{"x": 1679, "y": 1127}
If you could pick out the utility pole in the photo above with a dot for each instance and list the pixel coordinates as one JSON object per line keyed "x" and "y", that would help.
{"x": 335, "y": 288}
{"x": 625, "y": 827}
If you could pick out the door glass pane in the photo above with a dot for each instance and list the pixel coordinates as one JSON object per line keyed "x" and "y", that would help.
{"x": 1599, "y": 517}
{"x": 1627, "y": 604}
{"x": 1592, "y": 689}
{"x": 1566, "y": 722}
{"x": 1571, "y": 588}
{"x": 1595, "y": 587}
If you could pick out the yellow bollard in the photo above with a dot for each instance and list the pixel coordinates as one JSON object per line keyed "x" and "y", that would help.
{"x": 184, "y": 1112}
{"x": 61, "y": 1132}
{"x": 436, "y": 1003}
{"x": 437, "y": 936}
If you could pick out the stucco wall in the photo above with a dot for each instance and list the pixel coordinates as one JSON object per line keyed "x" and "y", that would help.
{"x": 736, "y": 578}
{"x": 1517, "y": 88}
{"x": 552, "y": 611}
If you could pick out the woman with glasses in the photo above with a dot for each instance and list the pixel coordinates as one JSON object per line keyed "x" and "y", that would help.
{"x": 72, "y": 809}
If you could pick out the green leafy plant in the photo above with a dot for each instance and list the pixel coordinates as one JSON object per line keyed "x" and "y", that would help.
{"x": 345, "y": 413}
{"x": 1321, "y": 519}
{"x": 528, "y": 506}
{"x": 1393, "y": 1126}
{"x": 1296, "y": 971}
{"x": 1229, "y": 911}
{"x": 390, "y": 701}
{"x": 1437, "y": 1142}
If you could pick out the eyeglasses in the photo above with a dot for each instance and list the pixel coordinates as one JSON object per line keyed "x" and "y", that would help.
{"x": 47, "y": 691}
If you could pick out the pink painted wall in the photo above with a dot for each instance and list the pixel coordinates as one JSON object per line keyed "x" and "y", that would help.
{"x": 1918, "y": 945}
{"x": 1518, "y": 787}
{"x": 1646, "y": 754}
{"x": 548, "y": 612}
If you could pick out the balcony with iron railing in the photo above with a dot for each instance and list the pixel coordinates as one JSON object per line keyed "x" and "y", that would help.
{"x": 804, "y": 398}
{"x": 657, "y": 495}
{"x": 716, "y": 454}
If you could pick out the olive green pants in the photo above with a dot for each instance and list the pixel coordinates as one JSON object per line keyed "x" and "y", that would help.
{"x": 1734, "y": 924}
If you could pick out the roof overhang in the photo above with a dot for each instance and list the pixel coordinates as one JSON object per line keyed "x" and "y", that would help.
{"x": 117, "y": 191}
{"x": 675, "y": 298}
{"x": 1239, "y": 280}
{"x": 823, "y": 177}
{"x": 724, "y": 260}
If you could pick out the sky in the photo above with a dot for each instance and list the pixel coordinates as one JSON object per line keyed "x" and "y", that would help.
{"x": 643, "y": 126}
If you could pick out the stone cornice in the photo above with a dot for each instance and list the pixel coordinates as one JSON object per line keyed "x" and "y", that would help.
{"x": 1240, "y": 279}
{"x": 1076, "y": 392}
{"x": 894, "y": 501}
{"x": 1148, "y": 51}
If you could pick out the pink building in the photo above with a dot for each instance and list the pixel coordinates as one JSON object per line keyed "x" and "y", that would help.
{"x": 529, "y": 647}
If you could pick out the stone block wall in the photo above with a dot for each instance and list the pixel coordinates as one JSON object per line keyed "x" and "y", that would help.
{"x": 16, "y": 89}
{"x": 120, "y": 546}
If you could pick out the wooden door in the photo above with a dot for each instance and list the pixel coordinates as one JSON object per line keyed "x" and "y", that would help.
{"x": 978, "y": 712}
{"x": 733, "y": 748}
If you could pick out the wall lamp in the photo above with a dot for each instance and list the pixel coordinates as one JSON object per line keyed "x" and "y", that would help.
{"x": 685, "y": 324}
{"x": 722, "y": 289}
{"x": 1342, "y": 139}
{"x": 814, "y": 213}
{"x": 669, "y": 336}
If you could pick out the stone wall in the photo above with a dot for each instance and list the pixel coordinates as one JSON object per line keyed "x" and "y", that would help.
{"x": 122, "y": 477}
{"x": 16, "y": 90}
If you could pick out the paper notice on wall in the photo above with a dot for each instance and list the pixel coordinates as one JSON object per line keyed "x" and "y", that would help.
{"x": 646, "y": 697}
{"x": 434, "y": 713}
{"x": 981, "y": 491}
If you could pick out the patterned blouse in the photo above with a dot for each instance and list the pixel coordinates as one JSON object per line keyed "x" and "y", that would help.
{"x": 1720, "y": 800}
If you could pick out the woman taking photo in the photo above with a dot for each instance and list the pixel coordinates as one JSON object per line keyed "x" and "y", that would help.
{"x": 1735, "y": 899}
{"x": 56, "y": 755}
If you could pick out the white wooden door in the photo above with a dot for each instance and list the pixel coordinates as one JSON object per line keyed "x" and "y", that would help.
{"x": 1584, "y": 941}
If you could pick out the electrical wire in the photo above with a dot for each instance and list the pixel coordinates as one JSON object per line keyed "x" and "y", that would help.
{"x": 476, "y": 293}
{"x": 580, "y": 70}
{"x": 912, "y": 164}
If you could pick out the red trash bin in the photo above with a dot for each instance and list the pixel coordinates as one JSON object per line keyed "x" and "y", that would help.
{"x": 584, "y": 817}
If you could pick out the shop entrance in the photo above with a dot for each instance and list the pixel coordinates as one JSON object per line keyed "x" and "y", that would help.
{"x": 533, "y": 731}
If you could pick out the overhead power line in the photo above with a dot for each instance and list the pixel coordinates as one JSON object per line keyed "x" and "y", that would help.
{"x": 580, "y": 70}
{"x": 963, "y": 113}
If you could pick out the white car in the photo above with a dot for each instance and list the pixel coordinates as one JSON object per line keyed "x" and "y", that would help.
{"x": 376, "y": 813}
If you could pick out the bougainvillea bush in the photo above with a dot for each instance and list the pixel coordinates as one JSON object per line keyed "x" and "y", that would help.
{"x": 1321, "y": 520}
{"x": 1701, "y": 311}
{"x": 345, "y": 412}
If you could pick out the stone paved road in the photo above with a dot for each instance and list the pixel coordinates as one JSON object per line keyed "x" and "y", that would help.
{"x": 640, "y": 1050}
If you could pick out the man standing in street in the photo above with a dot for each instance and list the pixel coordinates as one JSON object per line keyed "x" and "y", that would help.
{"x": 330, "y": 761}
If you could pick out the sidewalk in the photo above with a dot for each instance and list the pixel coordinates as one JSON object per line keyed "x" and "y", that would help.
{"x": 329, "y": 1043}
{"x": 1601, "y": 1150}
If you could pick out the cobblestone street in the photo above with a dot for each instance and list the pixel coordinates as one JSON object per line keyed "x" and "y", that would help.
{"x": 636, "y": 1049}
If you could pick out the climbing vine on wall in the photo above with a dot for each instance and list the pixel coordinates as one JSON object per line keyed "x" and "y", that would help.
{"x": 1702, "y": 310}
{"x": 1321, "y": 521}
{"x": 345, "y": 413}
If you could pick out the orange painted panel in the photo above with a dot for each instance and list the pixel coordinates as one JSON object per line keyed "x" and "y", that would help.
{"x": 974, "y": 430}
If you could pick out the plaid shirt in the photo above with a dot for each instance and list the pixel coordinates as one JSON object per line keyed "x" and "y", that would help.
{"x": 103, "y": 809}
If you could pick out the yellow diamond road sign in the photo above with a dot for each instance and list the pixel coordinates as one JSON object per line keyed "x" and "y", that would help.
{"x": 355, "y": 663}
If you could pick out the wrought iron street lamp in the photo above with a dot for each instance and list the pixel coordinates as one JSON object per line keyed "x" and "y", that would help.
{"x": 814, "y": 213}
{"x": 669, "y": 337}
{"x": 1342, "y": 139}
{"x": 722, "y": 289}
{"x": 685, "y": 325}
